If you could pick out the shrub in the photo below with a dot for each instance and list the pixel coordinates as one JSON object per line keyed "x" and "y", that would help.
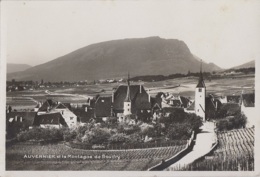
{"x": 232, "y": 122}
{"x": 69, "y": 135}
{"x": 178, "y": 131}
{"x": 119, "y": 138}
{"x": 40, "y": 134}
{"x": 127, "y": 129}
{"x": 147, "y": 129}
{"x": 97, "y": 135}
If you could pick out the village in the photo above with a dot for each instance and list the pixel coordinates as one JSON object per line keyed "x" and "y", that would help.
{"x": 125, "y": 100}
{"x": 132, "y": 118}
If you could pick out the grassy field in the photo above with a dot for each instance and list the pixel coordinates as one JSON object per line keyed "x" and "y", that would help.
{"x": 235, "y": 152}
{"x": 182, "y": 86}
{"x": 18, "y": 158}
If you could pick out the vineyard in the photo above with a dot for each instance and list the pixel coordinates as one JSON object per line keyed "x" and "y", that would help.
{"x": 26, "y": 157}
{"x": 235, "y": 152}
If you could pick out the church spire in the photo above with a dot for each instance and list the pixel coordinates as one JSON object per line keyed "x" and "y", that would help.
{"x": 128, "y": 89}
{"x": 201, "y": 81}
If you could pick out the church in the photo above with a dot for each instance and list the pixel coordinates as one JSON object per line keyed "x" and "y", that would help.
{"x": 126, "y": 100}
{"x": 203, "y": 105}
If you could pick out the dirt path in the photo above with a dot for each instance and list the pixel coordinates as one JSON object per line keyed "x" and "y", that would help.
{"x": 202, "y": 146}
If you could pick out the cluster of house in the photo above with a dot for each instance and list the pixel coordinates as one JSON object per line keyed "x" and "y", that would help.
{"x": 124, "y": 101}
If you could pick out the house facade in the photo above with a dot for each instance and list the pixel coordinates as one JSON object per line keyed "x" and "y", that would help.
{"x": 50, "y": 120}
{"x": 50, "y": 107}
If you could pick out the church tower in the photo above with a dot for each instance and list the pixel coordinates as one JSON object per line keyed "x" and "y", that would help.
{"x": 200, "y": 96}
{"x": 127, "y": 102}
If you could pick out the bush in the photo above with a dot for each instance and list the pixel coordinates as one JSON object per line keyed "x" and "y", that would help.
{"x": 178, "y": 131}
{"x": 127, "y": 129}
{"x": 147, "y": 129}
{"x": 97, "y": 135}
{"x": 41, "y": 134}
{"x": 119, "y": 138}
{"x": 232, "y": 122}
{"x": 182, "y": 129}
{"x": 69, "y": 135}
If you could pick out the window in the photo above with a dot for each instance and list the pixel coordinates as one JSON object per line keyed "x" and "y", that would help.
{"x": 128, "y": 109}
{"x": 200, "y": 90}
{"x": 198, "y": 110}
{"x": 128, "y": 104}
{"x": 71, "y": 118}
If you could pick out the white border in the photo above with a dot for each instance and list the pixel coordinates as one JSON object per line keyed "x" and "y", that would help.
{"x": 103, "y": 173}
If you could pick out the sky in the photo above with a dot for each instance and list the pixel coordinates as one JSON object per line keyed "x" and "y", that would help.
{"x": 223, "y": 32}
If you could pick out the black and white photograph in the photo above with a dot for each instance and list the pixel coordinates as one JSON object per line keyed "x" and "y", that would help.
{"x": 165, "y": 87}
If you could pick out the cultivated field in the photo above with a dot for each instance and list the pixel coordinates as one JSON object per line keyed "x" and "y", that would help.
{"x": 17, "y": 158}
{"x": 235, "y": 152}
{"x": 182, "y": 86}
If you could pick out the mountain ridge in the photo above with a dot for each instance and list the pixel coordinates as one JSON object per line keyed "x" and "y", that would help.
{"x": 113, "y": 59}
{"x": 250, "y": 64}
{"x": 14, "y": 67}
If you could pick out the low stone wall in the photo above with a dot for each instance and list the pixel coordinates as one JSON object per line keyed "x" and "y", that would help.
{"x": 175, "y": 158}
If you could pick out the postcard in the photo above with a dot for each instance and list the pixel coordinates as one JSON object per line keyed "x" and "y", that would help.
{"x": 133, "y": 88}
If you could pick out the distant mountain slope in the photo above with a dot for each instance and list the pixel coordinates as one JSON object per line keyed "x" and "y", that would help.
{"x": 112, "y": 59}
{"x": 250, "y": 64}
{"x": 11, "y": 67}
{"x": 213, "y": 66}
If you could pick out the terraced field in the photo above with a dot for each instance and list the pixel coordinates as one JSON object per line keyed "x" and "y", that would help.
{"x": 52, "y": 157}
{"x": 235, "y": 152}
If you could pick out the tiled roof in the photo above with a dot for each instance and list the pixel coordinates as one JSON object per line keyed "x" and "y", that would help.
{"x": 185, "y": 101}
{"x": 172, "y": 110}
{"x": 60, "y": 106}
{"x": 83, "y": 115}
{"x": 28, "y": 117}
{"x": 211, "y": 106}
{"x": 156, "y": 101}
{"x": 47, "y": 104}
{"x": 191, "y": 107}
{"x": 176, "y": 103}
{"x": 103, "y": 107}
{"x": 44, "y": 107}
{"x": 138, "y": 100}
{"x": 51, "y": 118}
{"x": 68, "y": 105}
{"x": 248, "y": 99}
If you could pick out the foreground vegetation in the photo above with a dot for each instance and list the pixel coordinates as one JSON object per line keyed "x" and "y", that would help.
{"x": 110, "y": 134}
{"x": 23, "y": 157}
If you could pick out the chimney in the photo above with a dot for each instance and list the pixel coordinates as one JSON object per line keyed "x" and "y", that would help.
{"x": 21, "y": 119}
{"x": 15, "y": 118}
{"x": 216, "y": 105}
{"x": 140, "y": 88}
